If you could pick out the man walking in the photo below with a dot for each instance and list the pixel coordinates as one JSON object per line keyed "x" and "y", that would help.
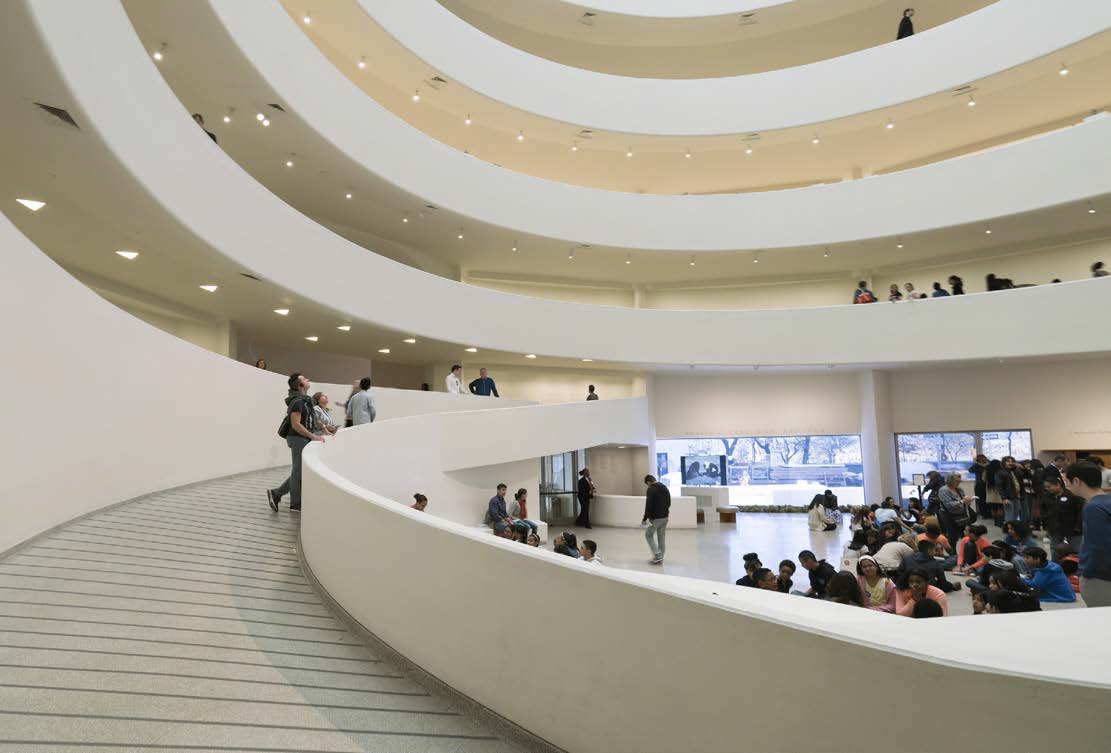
{"x": 657, "y": 506}
{"x": 484, "y": 385}
{"x": 297, "y": 430}
{"x": 360, "y": 406}
{"x": 1095, "y": 549}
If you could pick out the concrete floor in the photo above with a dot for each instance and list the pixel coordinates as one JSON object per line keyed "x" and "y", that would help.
{"x": 714, "y": 550}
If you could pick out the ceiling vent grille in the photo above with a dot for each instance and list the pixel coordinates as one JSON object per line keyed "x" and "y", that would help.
{"x": 249, "y": 276}
{"x": 587, "y": 19}
{"x": 436, "y": 82}
{"x": 277, "y": 107}
{"x": 585, "y": 133}
{"x": 60, "y": 114}
{"x": 963, "y": 91}
{"x": 748, "y": 19}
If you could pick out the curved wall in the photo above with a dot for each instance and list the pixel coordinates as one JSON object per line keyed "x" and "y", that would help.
{"x": 681, "y": 664}
{"x": 1055, "y": 168}
{"x": 940, "y": 59}
{"x": 671, "y": 9}
{"x": 122, "y": 96}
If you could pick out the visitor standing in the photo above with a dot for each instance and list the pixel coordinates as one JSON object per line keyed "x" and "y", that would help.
{"x": 199, "y": 120}
{"x": 585, "y": 493}
{"x": 862, "y": 294}
{"x": 590, "y": 393}
{"x": 906, "y": 25}
{"x": 956, "y": 285}
{"x": 453, "y": 381}
{"x": 297, "y": 431}
{"x": 484, "y": 385}
{"x": 657, "y": 506}
{"x": 360, "y": 406}
{"x": 939, "y": 292}
{"x": 1095, "y": 550}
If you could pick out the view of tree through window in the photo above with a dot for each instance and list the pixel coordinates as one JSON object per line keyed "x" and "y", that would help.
{"x": 777, "y": 470}
{"x": 955, "y": 451}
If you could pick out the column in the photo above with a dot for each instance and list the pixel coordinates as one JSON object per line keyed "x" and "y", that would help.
{"x": 877, "y": 437}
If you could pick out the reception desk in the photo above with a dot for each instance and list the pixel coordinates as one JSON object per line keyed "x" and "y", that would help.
{"x": 626, "y": 512}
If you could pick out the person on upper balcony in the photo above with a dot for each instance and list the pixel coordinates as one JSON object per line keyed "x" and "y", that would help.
{"x": 863, "y": 294}
{"x": 453, "y": 381}
{"x": 484, "y": 385}
{"x": 906, "y": 25}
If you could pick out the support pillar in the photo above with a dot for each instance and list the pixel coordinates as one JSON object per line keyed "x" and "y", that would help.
{"x": 877, "y": 437}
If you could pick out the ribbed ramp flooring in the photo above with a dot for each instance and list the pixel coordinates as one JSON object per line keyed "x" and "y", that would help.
{"x": 182, "y": 621}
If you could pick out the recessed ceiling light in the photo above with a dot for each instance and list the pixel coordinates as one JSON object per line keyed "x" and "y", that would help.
{"x": 692, "y": 260}
{"x": 755, "y": 258}
{"x": 748, "y": 150}
{"x": 31, "y": 204}
{"x": 520, "y": 135}
{"x": 988, "y": 231}
{"x": 347, "y": 196}
{"x": 890, "y": 124}
{"x": 471, "y": 350}
{"x": 587, "y": 360}
{"x": 266, "y": 122}
{"x": 530, "y": 355}
{"x": 416, "y": 96}
{"x": 628, "y": 257}
{"x": 209, "y": 288}
{"x": 312, "y": 338}
{"x": 362, "y": 63}
{"x": 1064, "y": 70}
{"x": 825, "y": 254}
{"x": 228, "y": 114}
{"x": 384, "y": 350}
{"x": 815, "y": 140}
{"x": 344, "y": 327}
{"x": 571, "y": 254}
{"x": 899, "y": 244}
{"x": 1091, "y": 208}
{"x": 281, "y": 312}
{"x": 688, "y": 153}
{"x": 289, "y": 163}
{"x": 629, "y": 153}
{"x": 410, "y": 340}
{"x": 160, "y": 52}
{"x": 574, "y": 146}
{"x": 308, "y": 18}
{"x": 467, "y": 119}
{"x": 129, "y": 255}
{"x": 460, "y": 235}
{"x": 971, "y": 101}
{"x": 621, "y": 447}
{"x": 514, "y": 248}
{"x": 260, "y": 117}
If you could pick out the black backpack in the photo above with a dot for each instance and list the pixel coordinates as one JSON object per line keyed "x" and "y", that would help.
{"x": 286, "y": 425}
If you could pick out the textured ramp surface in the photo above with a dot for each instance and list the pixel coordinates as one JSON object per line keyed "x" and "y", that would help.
{"x": 182, "y": 621}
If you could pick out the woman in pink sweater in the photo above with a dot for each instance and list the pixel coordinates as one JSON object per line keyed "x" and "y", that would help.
{"x": 914, "y": 586}
{"x": 879, "y": 592}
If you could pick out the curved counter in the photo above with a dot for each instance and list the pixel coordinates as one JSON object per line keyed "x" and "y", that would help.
{"x": 121, "y": 95}
{"x": 941, "y": 59}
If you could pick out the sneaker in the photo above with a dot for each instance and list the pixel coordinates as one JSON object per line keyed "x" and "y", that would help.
{"x": 272, "y": 499}
{"x": 659, "y": 561}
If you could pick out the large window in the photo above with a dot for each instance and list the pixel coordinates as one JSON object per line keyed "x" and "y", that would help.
{"x": 775, "y": 470}
{"x": 954, "y": 451}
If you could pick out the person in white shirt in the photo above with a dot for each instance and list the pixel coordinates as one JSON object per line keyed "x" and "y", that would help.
{"x": 1104, "y": 472}
{"x": 886, "y": 513}
{"x": 325, "y": 424}
{"x": 454, "y": 381}
{"x": 588, "y": 549}
{"x": 361, "y": 404}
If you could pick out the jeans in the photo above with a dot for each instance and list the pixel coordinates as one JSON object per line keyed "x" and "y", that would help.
{"x": 657, "y": 528}
{"x": 292, "y": 485}
{"x": 1010, "y": 511}
{"x": 529, "y": 525}
{"x": 948, "y": 563}
{"x": 1074, "y": 539}
{"x": 1023, "y": 512}
{"x": 974, "y": 587}
{"x": 521, "y": 526}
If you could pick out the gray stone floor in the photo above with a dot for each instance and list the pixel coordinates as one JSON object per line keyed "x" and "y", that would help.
{"x": 182, "y": 621}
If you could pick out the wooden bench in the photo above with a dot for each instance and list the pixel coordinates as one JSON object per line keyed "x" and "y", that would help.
{"x": 728, "y": 513}
{"x": 700, "y": 515}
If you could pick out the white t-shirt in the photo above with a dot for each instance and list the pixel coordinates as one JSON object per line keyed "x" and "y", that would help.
{"x": 453, "y": 384}
{"x": 892, "y": 554}
{"x": 886, "y": 515}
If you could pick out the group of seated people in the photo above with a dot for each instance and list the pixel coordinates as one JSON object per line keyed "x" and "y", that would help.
{"x": 512, "y": 522}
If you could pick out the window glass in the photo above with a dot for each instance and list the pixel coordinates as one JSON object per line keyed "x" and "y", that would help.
{"x": 945, "y": 452}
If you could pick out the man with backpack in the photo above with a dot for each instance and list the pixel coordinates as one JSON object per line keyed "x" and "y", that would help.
{"x": 297, "y": 431}
{"x": 863, "y": 294}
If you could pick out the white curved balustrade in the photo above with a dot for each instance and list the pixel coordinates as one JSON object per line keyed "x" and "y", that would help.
{"x": 940, "y": 59}
{"x": 1064, "y": 166}
{"x": 123, "y": 98}
{"x": 670, "y": 663}
{"x": 675, "y": 8}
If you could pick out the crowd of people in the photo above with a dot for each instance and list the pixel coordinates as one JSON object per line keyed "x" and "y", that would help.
{"x": 864, "y": 294}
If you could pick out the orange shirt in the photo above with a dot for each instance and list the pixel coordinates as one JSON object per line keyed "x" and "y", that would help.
{"x": 904, "y": 605}
{"x": 939, "y": 540}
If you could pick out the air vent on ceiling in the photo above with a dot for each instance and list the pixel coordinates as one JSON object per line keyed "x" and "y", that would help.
{"x": 748, "y": 19}
{"x": 249, "y": 276}
{"x": 750, "y": 137}
{"x": 429, "y": 206}
{"x": 587, "y": 19}
{"x": 962, "y": 91}
{"x": 59, "y": 113}
{"x": 435, "y": 82}
{"x": 586, "y": 133}
{"x": 585, "y": 245}
{"x": 277, "y": 107}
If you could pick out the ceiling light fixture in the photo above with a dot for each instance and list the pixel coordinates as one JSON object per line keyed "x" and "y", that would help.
{"x": 416, "y": 96}
{"x": 384, "y": 350}
{"x": 344, "y": 327}
{"x": 347, "y": 195}
{"x": 410, "y": 340}
{"x": 890, "y": 124}
{"x": 815, "y": 140}
{"x": 460, "y": 236}
{"x": 362, "y": 63}
{"x": 209, "y": 288}
{"x": 1091, "y": 208}
{"x": 629, "y": 153}
{"x": 289, "y": 162}
{"x": 471, "y": 350}
{"x": 899, "y": 244}
{"x": 587, "y": 360}
{"x": 467, "y": 119}
{"x": 571, "y": 254}
{"x": 688, "y": 154}
{"x": 628, "y": 257}
{"x": 971, "y": 101}
{"x": 260, "y": 117}
{"x": 574, "y": 146}
{"x": 514, "y": 246}
{"x": 520, "y": 135}
{"x": 748, "y": 150}
{"x": 159, "y": 53}
{"x": 228, "y": 114}
{"x": 31, "y": 204}
{"x": 308, "y": 17}
{"x": 129, "y": 255}
{"x": 1064, "y": 70}
{"x": 281, "y": 312}
{"x": 755, "y": 258}
{"x": 530, "y": 355}
{"x": 266, "y": 122}
{"x": 692, "y": 260}
{"x": 988, "y": 231}
{"x": 312, "y": 338}
{"x": 825, "y": 254}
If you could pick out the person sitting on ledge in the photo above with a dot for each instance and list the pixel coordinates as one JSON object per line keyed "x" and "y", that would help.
{"x": 498, "y": 517}
{"x": 589, "y": 552}
{"x": 752, "y": 562}
{"x": 420, "y": 502}
{"x": 821, "y": 573}
{"x": 844, "y": 589}
{"x": 783, "y": 583}
{"x": 518, "y": 511}
{"x": 1047, "y": 578}
{"x": 914, "y": 586}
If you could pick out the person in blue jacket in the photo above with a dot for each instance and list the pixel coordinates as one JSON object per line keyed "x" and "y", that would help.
{"x": 484, "y": 385}
{"x": 1047, "y": 578}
